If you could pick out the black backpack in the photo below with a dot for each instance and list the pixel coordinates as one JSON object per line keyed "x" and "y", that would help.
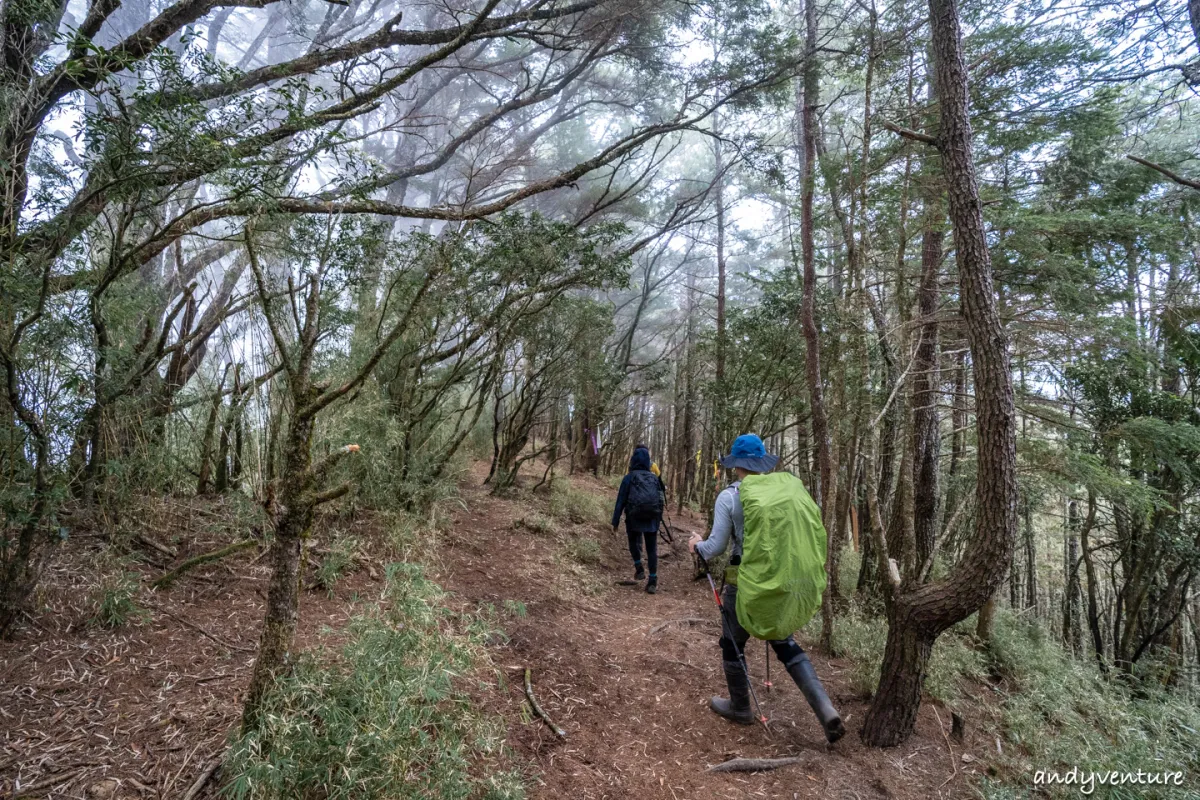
{"x": 645, "y": 501}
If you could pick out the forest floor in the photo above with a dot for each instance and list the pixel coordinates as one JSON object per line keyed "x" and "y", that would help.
{"x": 142, "y": 711}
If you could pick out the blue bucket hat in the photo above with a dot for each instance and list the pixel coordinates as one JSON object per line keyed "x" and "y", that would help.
{"x": 749, "y": 453}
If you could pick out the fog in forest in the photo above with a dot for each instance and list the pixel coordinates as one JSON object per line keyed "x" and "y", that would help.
{"x": 332, "y": 333}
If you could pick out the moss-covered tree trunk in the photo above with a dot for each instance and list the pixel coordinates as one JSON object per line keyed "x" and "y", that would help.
{"x": 293, "y": 518}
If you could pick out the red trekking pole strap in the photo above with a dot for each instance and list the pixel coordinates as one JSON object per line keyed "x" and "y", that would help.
{"x": 727, "y": 629}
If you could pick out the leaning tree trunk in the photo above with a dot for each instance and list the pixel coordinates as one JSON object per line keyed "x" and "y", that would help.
{"x": 905, "y": 664}
{"x": 918, "y": 614}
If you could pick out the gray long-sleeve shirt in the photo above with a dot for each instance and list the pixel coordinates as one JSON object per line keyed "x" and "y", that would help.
{"x": 727, "y": 521}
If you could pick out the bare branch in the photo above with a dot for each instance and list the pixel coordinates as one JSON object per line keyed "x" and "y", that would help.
{"x": 1182, "y": 181}
{"x": 908, "y": 133}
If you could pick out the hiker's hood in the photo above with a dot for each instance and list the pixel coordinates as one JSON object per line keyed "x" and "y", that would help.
{"x": 640, "y": 459}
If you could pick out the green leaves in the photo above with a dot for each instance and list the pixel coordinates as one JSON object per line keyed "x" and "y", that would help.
{"x": 1118, "y": 385}
{"x": 1155, "y": 443}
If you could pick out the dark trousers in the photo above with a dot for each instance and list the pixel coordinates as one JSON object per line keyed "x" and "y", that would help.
{"x": 786, "y": 650}
{"x": 635, "y": 548}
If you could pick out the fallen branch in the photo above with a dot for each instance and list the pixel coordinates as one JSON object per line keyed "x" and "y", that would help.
{"x": 756, "y": 764}
{"x": 949, "y": 748}
{"x": 203, "y": 779}
{"x": 538, "y": 709}
{"x": 192, "y": 563}
{"x": 685, "y": 621}
{"x": 48, "y": 783}
{"x": 329, "y": 495}
{"x": 153, "y": 545}
{"x": 201, "y": 631}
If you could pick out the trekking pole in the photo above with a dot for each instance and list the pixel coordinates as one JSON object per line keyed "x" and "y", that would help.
{"x": 727, "y": 629}
{"x": 667, "y": 534}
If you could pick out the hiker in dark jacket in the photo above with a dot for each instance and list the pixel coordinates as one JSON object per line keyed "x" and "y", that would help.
{"x": 642, "y": 499}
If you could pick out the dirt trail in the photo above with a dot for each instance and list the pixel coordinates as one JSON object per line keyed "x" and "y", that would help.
{"x": 632, "y": 694}
{"x": 139, "y": 712}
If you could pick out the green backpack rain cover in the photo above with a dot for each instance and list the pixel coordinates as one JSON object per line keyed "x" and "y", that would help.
{"x": 782, "y": 575}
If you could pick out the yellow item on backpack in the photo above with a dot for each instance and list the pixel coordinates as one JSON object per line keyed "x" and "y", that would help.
{"x": 654, "y": 468}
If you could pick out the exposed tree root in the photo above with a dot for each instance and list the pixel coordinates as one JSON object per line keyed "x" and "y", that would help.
{"x": 203, "y": 779}
{"x": 755, "y": 764}
{"x": 192, "y": 563}
{"x": 685, "y": 621}
{"x": 538, "y": 709}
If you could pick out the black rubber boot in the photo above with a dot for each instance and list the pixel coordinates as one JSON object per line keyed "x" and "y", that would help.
{"x": 802, "y": 672}
{"x": 737, "y": 707}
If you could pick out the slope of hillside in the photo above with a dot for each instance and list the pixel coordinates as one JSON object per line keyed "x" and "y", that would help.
{"x": 146, "y": 708}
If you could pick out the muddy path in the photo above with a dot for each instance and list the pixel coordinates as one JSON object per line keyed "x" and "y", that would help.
{"x": 628, "y": 676}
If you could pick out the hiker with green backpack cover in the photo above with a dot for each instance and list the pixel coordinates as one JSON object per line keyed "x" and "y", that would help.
{"x": 775, "y": 578}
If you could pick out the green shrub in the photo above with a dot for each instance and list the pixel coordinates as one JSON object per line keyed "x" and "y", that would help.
{"x": 341, "y": 556}
{"x": 414, "y": 536}
{"x": 848, "y": 568}
{"x": 584, "y": 549}
{"x": 113, "y": 601}
{"x": 389, "y": 718}
{"x": 1054, "y": 711}
{"x": 1063, "y": 713}
{"x": 955, "y": 659}
{"x": 403, "y": 533}
{"x": 580, "y": 507}
{"x": 537, "y": 523}
{"x": 859, "y": 638}
{"x": 390, "y": 473}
